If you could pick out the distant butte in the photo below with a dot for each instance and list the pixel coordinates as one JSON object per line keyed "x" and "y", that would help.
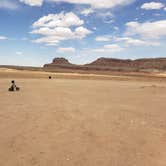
{"x": 110, "y": 64}
{"x": 60, "y": 61}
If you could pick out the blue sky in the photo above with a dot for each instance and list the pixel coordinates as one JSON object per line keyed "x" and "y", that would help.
{"x": 33, "y": 32}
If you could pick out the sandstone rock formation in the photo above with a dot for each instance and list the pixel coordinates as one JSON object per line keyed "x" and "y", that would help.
{"x": 106, "y": 64}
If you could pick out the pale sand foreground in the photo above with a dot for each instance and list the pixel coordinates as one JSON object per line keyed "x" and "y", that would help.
{"x": 66, "y": 122}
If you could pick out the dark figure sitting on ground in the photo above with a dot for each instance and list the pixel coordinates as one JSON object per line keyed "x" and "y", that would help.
{"x": 13, "y": 86}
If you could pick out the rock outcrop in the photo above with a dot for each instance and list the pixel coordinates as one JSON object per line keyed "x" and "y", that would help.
{"x": 150, "y": 63}
{"x": 58, "y": 62}
{"x": 107, "y": 64}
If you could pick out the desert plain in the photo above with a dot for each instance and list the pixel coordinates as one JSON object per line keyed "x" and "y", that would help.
{"x": 82, "y": 120}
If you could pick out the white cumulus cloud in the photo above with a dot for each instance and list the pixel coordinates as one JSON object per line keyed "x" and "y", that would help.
{"x": 87, "y": 11}
{"x": 66, "y": 50}
{"x": 19, "y": 53}
{"x": 155, "y": 29}
{"x": 92, "y": 3}
{"x": 152, "y": 6}
{"x": 103, "y": 38}
{"x": 33, "y": 2}
{"x": 98, "y": 3}
{"x": 136, "y": 42}
{"x": 81, "y": 32}
{"x": 110, "y": 48}
{"x": 59, "y": 20}
{"x": 54, "y": 28}
{"x": 3, "y": 37}
{"x": 127, "y": 41}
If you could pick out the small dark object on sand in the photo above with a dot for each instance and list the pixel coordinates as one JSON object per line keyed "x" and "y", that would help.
{"x": 50, "y": 77}
{"x": 17, "y": 88}
{"x": 11, "y": 89}
{"x": 13, "y": 86}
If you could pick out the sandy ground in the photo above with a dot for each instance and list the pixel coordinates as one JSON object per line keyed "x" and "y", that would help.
{"x": 79, "y": 122}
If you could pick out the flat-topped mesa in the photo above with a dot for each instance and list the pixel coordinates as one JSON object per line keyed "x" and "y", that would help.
{"x": 58, "y": 62}
{"x": 149, "y": 63}
{"x": 111, "y": 64}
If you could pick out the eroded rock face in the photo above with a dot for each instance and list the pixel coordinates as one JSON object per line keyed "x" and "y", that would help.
{"x": 112, "y": 64}
{"x": 150, "y": 63}
{"x": 60, "y": 61}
